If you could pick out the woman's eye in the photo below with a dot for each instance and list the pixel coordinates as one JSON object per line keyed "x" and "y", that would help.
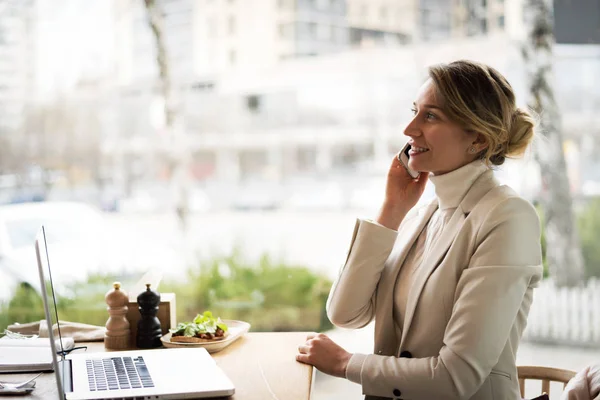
{"x": 414, "y": 111}
{"x": 430, "y": 116}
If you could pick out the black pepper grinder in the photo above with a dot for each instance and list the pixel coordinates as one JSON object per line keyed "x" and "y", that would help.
{"x": 148, "y": 332}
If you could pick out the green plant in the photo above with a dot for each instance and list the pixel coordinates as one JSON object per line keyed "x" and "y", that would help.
{"x": 272, "y": 296}
{"x": 588, "y": 223}
{"x": 588, "y": 226}
{"x": 25, "y": 306}
{"x": 79, "y": 301}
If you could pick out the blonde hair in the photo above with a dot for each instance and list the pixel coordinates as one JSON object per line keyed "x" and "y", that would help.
{"x": 481, "y": 100}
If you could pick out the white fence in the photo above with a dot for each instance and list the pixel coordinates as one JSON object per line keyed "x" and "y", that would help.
{"x": 568, "y": 316}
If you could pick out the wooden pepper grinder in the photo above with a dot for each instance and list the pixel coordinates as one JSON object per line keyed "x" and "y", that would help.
{"x": 116, "y": 335}
{"x": 149, "y": 331}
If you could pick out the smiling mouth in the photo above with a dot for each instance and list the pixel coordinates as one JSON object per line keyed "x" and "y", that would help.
{"x": 415, "y": 150}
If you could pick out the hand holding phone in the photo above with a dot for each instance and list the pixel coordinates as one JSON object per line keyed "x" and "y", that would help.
{"x": 402, "y": 192}
{"x": 403, "y": 157}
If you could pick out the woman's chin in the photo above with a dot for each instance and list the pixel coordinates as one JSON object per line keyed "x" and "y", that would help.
{"x": 417, "y": 166}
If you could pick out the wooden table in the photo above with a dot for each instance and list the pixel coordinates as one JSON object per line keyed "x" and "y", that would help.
{"x": 262, "y": 366}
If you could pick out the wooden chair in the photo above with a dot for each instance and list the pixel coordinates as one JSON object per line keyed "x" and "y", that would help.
{"x": 544, "y": 374}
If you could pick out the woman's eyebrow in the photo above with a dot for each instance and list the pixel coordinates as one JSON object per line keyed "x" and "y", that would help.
{"x": 433, "y": 106}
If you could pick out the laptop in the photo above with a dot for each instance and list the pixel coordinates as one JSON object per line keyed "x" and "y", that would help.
{"x": 139, "y": 374}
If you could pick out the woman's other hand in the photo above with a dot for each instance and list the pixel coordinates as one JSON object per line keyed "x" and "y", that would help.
{"x": 402, "y": 193}
{"x": 322, "y": 353}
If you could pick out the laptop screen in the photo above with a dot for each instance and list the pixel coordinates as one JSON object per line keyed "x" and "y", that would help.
{"x": 50, "y": 309}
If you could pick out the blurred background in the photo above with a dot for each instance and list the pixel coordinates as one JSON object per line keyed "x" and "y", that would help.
{"x": 230, "y": 145}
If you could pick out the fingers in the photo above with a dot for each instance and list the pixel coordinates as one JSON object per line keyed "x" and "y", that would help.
{"x": 310, "y": 339}
{"x": 397, "y": 169}
{"x": 303, "y": 348}
{"x": 396, "y": 161}
{"x": 303, "y": 358}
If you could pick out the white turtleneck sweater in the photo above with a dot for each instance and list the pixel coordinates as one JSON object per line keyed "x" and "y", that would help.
{"x": 450, "y": 188}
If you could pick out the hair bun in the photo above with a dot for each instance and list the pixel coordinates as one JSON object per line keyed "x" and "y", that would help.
{"x": 520, "y": 134}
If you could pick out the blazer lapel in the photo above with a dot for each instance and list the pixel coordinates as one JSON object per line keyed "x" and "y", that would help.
{"x": 431, "y": 260}
{"x": 407, "y": 237}
{"x": 409, "y": 233}
{"x": 429, "y": 263}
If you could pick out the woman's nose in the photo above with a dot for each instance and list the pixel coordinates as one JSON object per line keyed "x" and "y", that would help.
{"x": 412, "y": 129}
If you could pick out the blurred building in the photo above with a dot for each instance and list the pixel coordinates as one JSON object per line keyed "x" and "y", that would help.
{"x": 381, "y": 22}
{"x": 17, "y": 31}
{"x": 211, "y": 37}
{"x": 447, "y": 19}
{"x": 286, "y": 88}
{"x": 211, "y": 43}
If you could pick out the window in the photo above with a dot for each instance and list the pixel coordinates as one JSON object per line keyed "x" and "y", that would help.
{"x": 501, "y": 21}
{"x": 484, "y": 26}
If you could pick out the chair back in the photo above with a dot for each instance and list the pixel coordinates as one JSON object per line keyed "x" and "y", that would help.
{"x": 544, "y": 374}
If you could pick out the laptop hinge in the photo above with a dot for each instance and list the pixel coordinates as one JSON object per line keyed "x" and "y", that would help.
{"x": 66, "y": 373}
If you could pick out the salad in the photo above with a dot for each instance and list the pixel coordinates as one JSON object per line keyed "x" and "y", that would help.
{"x": 205, "y": 327}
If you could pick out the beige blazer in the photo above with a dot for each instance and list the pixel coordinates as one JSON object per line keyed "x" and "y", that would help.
{"x": 466, "y": 310}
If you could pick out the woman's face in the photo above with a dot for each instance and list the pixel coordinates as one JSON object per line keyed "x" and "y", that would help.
{"x": 439, "y": 145}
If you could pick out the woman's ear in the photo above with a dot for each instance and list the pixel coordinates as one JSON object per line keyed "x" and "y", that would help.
{"x": 480, "y": 142}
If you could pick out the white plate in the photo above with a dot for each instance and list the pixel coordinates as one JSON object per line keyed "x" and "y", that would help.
{"x": 236, "y": 330}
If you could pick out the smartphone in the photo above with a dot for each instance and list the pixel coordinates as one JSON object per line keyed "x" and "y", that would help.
{"x": 403, "y": 157}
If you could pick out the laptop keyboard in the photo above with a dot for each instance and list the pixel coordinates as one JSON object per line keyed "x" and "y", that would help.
{"x": 118, "y": 373}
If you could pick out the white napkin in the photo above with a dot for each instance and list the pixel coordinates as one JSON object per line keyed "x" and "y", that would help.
{"x": 78, "y": 331}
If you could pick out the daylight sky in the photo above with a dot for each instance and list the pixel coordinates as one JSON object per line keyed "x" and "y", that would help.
{"x": 74, "y": 41}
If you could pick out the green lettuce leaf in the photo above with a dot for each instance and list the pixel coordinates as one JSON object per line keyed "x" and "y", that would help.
{"x": 202, "y": 323}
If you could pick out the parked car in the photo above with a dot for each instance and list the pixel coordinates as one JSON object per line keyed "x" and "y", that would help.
{"x": 80, "y": 242}
{"x": 75, "y": 233}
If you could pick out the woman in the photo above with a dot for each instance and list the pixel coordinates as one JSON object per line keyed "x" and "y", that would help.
{"x": 450, "y": 284}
